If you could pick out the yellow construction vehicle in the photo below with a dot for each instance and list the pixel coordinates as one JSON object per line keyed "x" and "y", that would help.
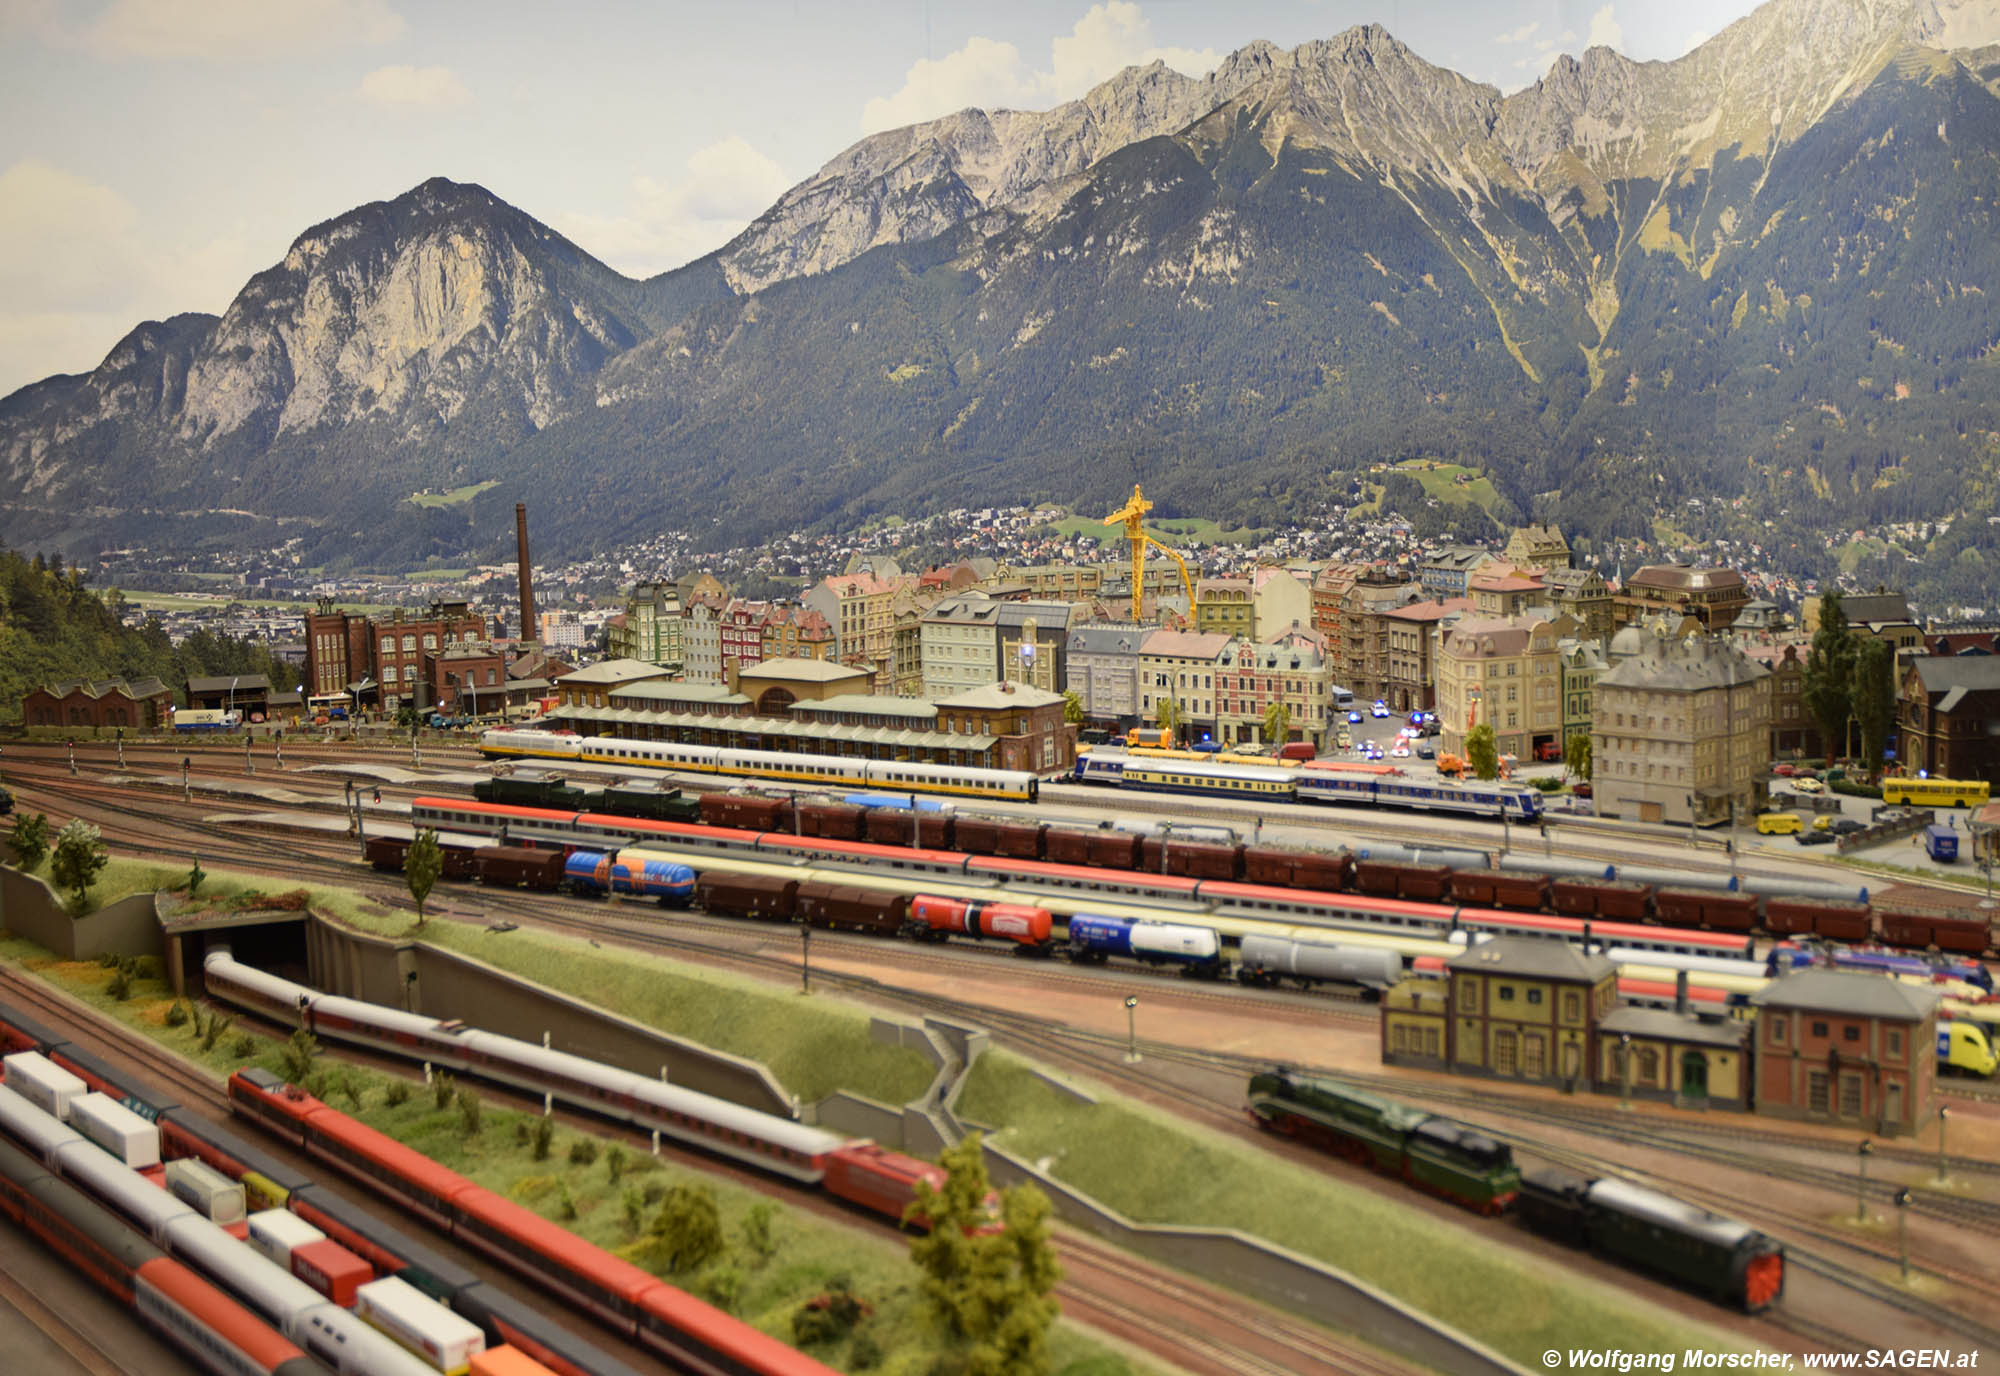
{"x": 1132, "y": 516}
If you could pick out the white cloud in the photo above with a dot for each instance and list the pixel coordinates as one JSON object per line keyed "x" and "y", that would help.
{"x": 1543, "y": 45}
{"x": 78, "y": 269}
{"x": 435, "y": 87}
{"x": 990, "y": 74}
{"x": 1520, "y": 35}
{"x": 238, "y": 28}
{"x": 668, "y": 223}
{"x": 1605, "y": 31}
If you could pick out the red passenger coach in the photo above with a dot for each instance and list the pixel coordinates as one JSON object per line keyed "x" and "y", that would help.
{"x": 688, "y": 1332}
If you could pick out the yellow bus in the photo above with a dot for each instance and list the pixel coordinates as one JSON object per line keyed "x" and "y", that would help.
{"x": 1937, "y": 792}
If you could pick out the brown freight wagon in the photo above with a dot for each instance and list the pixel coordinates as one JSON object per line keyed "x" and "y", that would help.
{"x": 984, "y": 836}
{"x": 1522, "y": 892}
{"x": 1680, "y": 907}
{"x": 891, "y": 826}
{"x": 1919, "y": 931}
{"x": 1731, "y": 912}
{"x": 746, "y": 812}
{"x": 1386, "y": 877}
{"x": 1296, "y": 869}
{"x": 386, "y": 852}
{"x": 1191, "y": 859}
{"x": 747, "y": 895}
{"x": 1827, "y": 917}
{"x": 1107, "y": 849}
{"x": 517, "y": 867}
{"x": 842, "y": 907}
{"x": 833, "y": 821}
{"x": 1617, "y": 900}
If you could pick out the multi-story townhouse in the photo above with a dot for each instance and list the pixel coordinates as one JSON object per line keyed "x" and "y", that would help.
{"x": 1104, "y": 672}
{"x": 1712, "y": 596}
{"x": 1506, "y": 674}
{"x": 959, "y": 645}
{"x": 1251, "y": 678}
{"x": 1181, "y": 665}
{"x": 1223, "y": 606}
{"x": 1681, "y": 732}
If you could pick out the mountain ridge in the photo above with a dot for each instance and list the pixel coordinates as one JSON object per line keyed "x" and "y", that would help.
{"x": 1240, "y": 288}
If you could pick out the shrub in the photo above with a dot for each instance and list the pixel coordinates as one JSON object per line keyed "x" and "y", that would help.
{"x": 866, "y": 1354}
{"x": 634, "y": 1204}
{"x": 545, "y": 1131}
{"x": 299, "y": 1052}
{"x": 469, "y": 1116}
{"x": 443, "y": 1088}
{"x": 829, "y": 1317}
{"x": 218, "y": 1023}
{"x": 244, "y": 1047}
{"x": 397, "y": 1094}
{"x": 565, "y": 1203}
{"x": 1855, "y": 790}
{"x": 722, "y": 1289}
{"x": 177, "y": 1013}
{"x": 614, "y": 1161}
{"x": 757, "y": 1231}
{"x": 582, "y": 1152}
{"x": 120, "y": 987}
{"x": 1546, "y": 783}
{"x": 687, "y": 1231}
{"x": 655, "y": 1191}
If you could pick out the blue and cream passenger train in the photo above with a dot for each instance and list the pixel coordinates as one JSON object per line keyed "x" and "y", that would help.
{"x": 1515, "y": 802}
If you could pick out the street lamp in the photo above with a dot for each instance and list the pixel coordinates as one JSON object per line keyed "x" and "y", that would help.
{"x": 1903, "y": 1228}
{"x": 1132, "y": 1030}
{"x": 1861, "y": 1155}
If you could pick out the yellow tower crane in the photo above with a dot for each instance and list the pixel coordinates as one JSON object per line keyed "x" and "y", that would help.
{"x": 1132, "y": 516}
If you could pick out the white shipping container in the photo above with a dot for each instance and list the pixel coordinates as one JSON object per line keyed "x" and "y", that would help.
{"x": 117, "y": 1129}
{"x": 43, "y": 1083}
{"x": 442, "y": 1338}
{"x": 202, "y": 1187}
{"x": 275, "y": 1232}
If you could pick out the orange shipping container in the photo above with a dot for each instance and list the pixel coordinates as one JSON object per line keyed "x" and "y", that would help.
{"x": 506, "y": 1361}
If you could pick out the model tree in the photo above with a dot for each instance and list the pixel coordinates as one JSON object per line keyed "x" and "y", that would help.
{"x": 421, "y": 868}
{"x": 1482, "y": 752}
{"x": 77, "y": 860}
{"x": 1576, "y": 755}
{"x": 1278, "y": 722}
{"x": 991, "y": 1289}
{"x": 30, "y": 839}
{"x": 1829, "y": 676}
{"x": 1874, "y": 700}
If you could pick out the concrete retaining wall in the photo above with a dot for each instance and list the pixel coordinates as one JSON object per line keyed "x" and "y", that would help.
{"x": 1270, "y": 1273}
{"x": 450, "y": 985}
{"x": 30, "y": 908}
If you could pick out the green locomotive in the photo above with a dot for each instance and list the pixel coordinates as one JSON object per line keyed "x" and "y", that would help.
{"x": 648, "y": 798}
{"x": 1442, "y": 1155}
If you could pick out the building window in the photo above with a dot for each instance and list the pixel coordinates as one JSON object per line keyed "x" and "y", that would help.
{"x": 1506, "y": 993}
{"x": 1895, "y": 1044}
{"x": 1850, "y": 1033}
{"x": 1819, "y": 1029}
{"x": 1535, "y": 997}
{"x": 1572, "y": 1006}
{"x": 1777, "y": 1029}
{"x": 1468, "y": 996}
{"x": 1850, "y": 1095}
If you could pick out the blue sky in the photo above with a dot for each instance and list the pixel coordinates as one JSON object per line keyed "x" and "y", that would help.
{"x": 154, "y": 154}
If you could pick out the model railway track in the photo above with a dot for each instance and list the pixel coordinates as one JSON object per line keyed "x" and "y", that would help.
{"x": 1203, "y": 1339}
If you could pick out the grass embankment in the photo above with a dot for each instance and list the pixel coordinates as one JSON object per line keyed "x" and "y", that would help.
{"x": 457, "y": 496}
{"x": 812, "y": 1046}
{"x": 773, "y": 1260}
{"x": 1154, "y": 1169}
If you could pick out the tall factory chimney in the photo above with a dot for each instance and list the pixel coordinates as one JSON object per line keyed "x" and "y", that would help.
{"x": 531, "y": 629}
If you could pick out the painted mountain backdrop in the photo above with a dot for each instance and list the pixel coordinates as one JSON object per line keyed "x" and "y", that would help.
{"x": 1765, "y": 271}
